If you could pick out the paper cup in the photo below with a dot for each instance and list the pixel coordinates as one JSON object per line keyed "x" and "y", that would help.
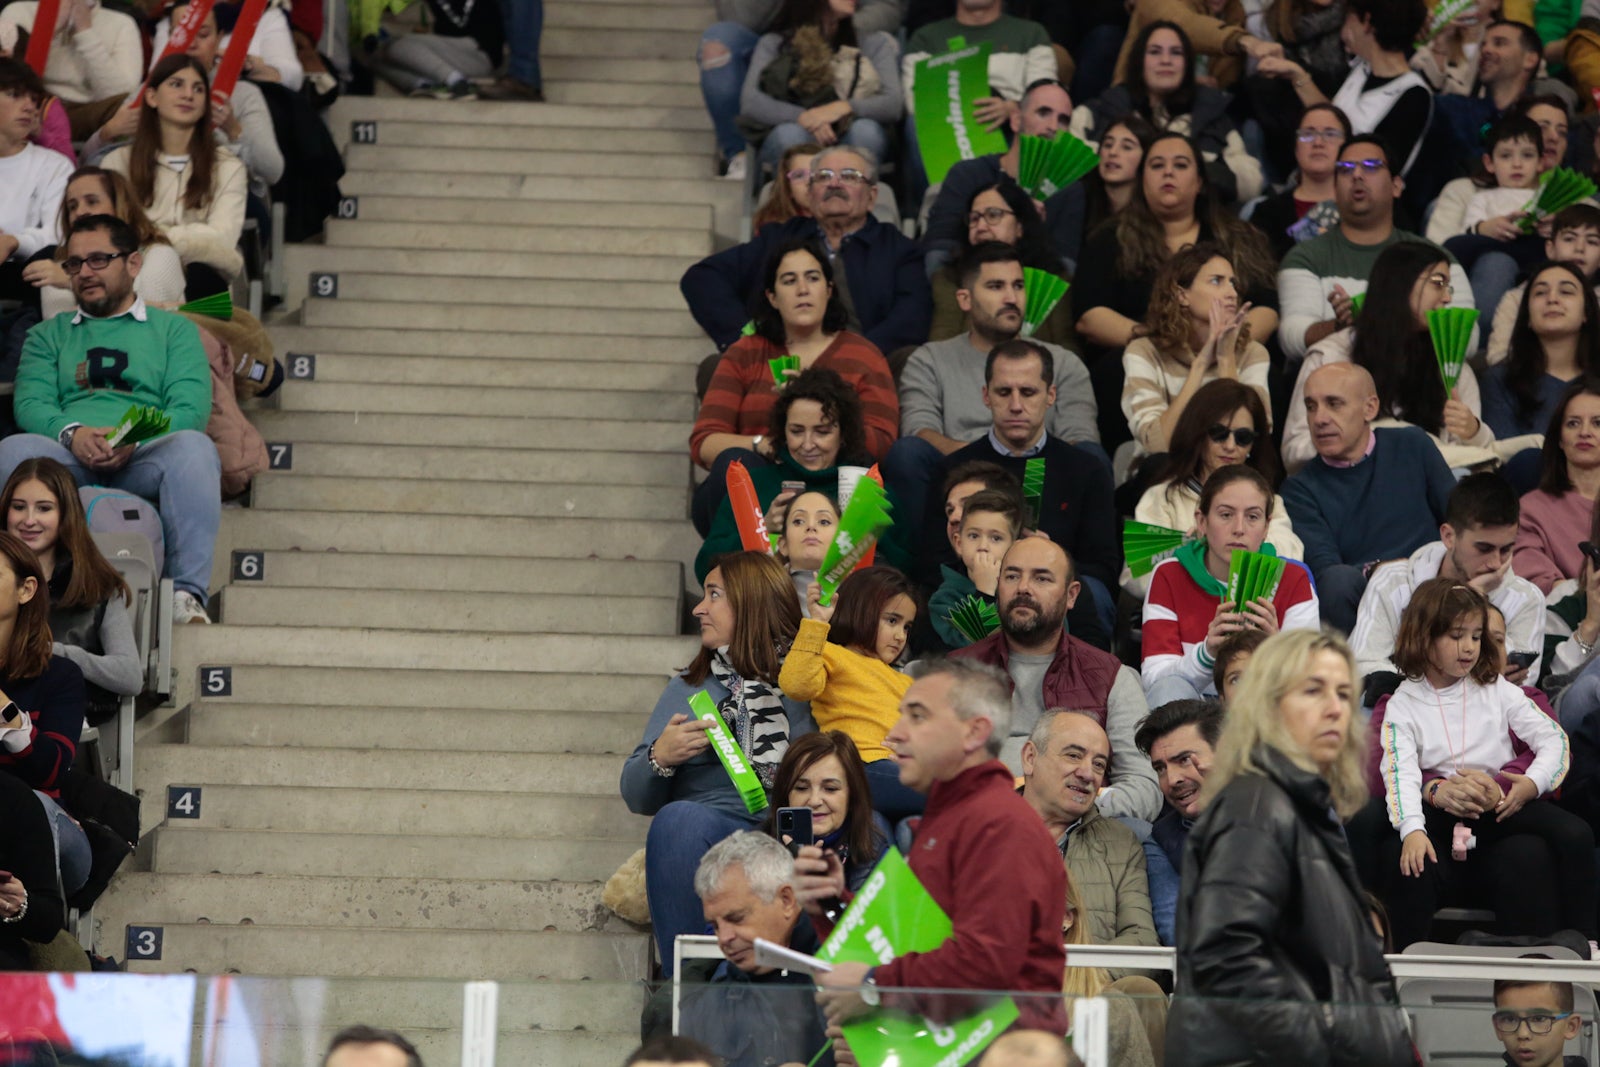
{"x": 848, "y": 477}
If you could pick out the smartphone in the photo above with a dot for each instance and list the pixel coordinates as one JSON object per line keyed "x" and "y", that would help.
{"x": 1588, "y": 549}
{"x": 795, "y": 824}
{"x": 794, "y": 487}
{"x": 1520, "y": 659}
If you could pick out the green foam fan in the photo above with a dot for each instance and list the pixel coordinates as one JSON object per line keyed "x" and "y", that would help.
{"x": 1451, "y": 329}
{"x": 1033, "y": 489}
{"x": 1356, "y": 302}
{"x": 1050, "y": 164}
{"x": 1042, "y": 292}
{"x": 216, "y": 306}
{"x": 1443, "y": 15}
{"x": 748, "y": 329}
{"x": 779, "y": 366}
{"x": 1252, "y": 576}
{"x": 865, "y": 517}
{"x": 1145, "y": 544}
{"x": 1559, "y": 188}
{"x": 139, "y": 424}
{"x": 975, "y": 617}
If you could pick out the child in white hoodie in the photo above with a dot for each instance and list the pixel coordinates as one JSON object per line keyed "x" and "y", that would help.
{"x": 1454, "y": 715}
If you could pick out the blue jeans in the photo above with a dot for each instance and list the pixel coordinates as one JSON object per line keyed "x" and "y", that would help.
{"x": 1165, "y": 690}
{"x": 1163, "y": 883}
{"x": 524, "y": 26}
{"x": 722, "y": 79}
{"x": 891, "y": 799}
{"x": 1339, "y": 590}
{"x": 1096, "y": 57}
{"x": 73, "y": 857}
{"x": 916, "y": 176}
{"x": 179, "y": 473}
{"x": 680, "y": 834}
{"x": 863, "y": 133}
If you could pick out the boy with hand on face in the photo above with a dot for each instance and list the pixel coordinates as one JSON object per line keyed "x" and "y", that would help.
{"x": 1535, "y": 1020}
{"x": 991, "y": 521}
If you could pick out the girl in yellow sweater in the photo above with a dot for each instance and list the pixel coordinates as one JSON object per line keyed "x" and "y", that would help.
{"x": 843, "y": 660}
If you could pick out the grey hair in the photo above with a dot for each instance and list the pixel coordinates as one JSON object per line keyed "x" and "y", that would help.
{"x": 768, "y": 867}
{"x": 1040, "y": 734}
{"x": 866, "y": 154}
{"x": 977, "y": 691}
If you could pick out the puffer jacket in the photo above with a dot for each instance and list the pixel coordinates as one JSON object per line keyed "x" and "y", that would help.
{"x": 239, "y": 443}
{"x": 1106, "y": 864}
{"x": 1271, "y": 918}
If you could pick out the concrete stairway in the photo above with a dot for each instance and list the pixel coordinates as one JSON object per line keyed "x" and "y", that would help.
{"x": 446, "y": 620}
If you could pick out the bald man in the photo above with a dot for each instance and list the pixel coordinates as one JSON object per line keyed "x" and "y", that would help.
{"x": 1368, "y": 495}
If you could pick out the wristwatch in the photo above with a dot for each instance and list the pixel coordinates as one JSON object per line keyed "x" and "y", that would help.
{"x": 869, "y": 991}
{"x": 755, "y": 443}
{"x": 65, "y": 436}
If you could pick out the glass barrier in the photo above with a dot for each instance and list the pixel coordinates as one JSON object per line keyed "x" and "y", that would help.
{"x": 135, "y": 1020}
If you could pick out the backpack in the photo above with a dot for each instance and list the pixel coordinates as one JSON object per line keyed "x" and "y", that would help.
{"x": 114, "y": 511}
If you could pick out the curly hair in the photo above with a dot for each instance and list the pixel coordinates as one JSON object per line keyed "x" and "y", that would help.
{"x": 1168, "y": 323}
{"x": 839, "y": 402}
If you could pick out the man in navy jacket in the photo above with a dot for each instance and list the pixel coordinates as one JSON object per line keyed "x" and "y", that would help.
{"x": 879, "y": 268}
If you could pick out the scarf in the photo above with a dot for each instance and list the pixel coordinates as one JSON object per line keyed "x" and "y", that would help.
{"x": 1192, "y": 557}
{"x": 755, "y": 714}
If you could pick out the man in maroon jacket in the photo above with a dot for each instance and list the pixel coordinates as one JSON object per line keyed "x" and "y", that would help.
{"x": 980, "y": 851}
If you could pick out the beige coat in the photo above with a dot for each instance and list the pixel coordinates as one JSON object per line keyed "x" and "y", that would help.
{"x": 210, "y": 235}
{"x": 1106, "y": 864}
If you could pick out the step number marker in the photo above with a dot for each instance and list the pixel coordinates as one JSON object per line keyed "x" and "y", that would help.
{"x": 349, "y": 207}
{"x": 280, "y": 456}
{"x": 144, "y": 942}
{"x": 364, "y": 132}
{"x": 301, "y": 366}
{"x": 216, "y": 681}
{"x": 183, "y": 802}
{"x": 249, "y": 566}
{"x": 324, "y": 285}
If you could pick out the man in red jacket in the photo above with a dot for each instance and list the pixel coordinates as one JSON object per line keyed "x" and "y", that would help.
{"x": 980, "y": 851}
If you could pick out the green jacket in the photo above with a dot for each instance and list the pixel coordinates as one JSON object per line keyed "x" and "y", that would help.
{"x": 724, "y": 535}
{"x": 90, "y": 371}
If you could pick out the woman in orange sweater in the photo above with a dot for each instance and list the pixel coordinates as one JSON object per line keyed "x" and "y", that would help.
{"x": 843, "y": 662}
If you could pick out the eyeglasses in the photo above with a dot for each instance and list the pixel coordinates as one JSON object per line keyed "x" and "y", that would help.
{"x": 850, "y": 176}
{"x": 1368, "y": 166}
{"x": 1306, "y": 136}
{"x": 97, "y": 260}
{"x": 1442, "y": 282}
{"x": 1243, "y": 436}
{"x": 799, "y": 174}
{"x": 991, "y": 215}
{"x": 1509, "y": 1022}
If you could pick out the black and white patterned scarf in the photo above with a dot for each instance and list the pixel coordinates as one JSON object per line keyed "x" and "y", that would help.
{"x": 754, "y": 712}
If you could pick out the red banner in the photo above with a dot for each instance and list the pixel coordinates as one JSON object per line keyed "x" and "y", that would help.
{"x": 182, "y": 34}
{"x": 43, "y": 32}
{"x": 232, "y": 65}
{"x": 747, "y": 514}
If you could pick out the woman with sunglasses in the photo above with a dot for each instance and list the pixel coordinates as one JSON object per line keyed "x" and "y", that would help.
{"x": 1390, "y": 338}
{"x": 1187, "y": 615}
{"x": 1223, "y": 425}
{"x": 1194, "y": 332}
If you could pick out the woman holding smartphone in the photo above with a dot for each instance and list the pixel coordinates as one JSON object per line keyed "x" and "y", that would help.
{"x": 822, "y": 783}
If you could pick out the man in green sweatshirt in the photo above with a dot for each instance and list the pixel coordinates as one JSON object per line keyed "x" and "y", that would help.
{"x": 80, "y": 373}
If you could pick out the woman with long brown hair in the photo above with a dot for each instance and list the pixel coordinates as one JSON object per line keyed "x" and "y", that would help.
{"x": 823, "y": 771}
{"x": 41, "y": 701}
{"x": 191, "y": 188}
{"x": 748, "y": 619}
{"x": 97, "y": 191}
{"x": 791, "y": 189}
{"x": 90, "y": 605}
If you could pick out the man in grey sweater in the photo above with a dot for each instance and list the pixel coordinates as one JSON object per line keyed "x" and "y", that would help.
{"x": 942, "y": 387}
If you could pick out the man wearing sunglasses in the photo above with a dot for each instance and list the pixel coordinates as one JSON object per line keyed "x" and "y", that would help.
{"x": 878, "y": 268}
{"x": 1318, "y": 277}
{"x": 80, "y": 373}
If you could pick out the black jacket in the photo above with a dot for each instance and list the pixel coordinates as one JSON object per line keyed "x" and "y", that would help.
{"x": 1271, "y": 918}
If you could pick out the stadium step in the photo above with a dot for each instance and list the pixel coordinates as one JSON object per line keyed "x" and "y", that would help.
{"x": 302, "y": 261}
{"x": 572, "y": 434}
{"x": 613, "y": 94}
{"x": 662, "y": 134}
{"x": 448, "y": 496}
{"x": 576, "y": 163}
{"x": 335, "y": 368}
{"x": 498, "y": 318}
{"x": 651, "y": 44}
{"x": 489, "y": 288}
{"x": 299, "y": 685}
{"x": 647, "y": 113}
{"x": 380, "y": 208}
{"x": 613, "y": 469}
{"x": 546, "y": 402}
{"x": 572, "y": 349}
{"x": 431, "y": 609}
{"x": 471, "y": 237}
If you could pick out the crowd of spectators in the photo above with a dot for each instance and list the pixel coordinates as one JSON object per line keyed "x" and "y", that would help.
{"x": 1286, "y": 194}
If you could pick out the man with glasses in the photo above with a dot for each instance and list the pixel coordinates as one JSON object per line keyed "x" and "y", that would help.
{"x": 80, "y": 373}
{"x": 1046, "y": 109}
{"x": 877, "y": 268}
{"x": 1318, "y": 277}
{"x": 1535, "y": 1020}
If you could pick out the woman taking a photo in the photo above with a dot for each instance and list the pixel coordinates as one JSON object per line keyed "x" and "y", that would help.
{"x": 816, "y": 425}
{"x": 801, "y": 315}
{"x": 1390, "y": 339}
{"x": 748, "y": 618}
{"x": 1558, "y": 516}
{"x": 823, "y": 771}
{"x": 1172, "y": 207}
{"x": 188, "y": 186}
{"x": 90, "y": 604}
{"x": 1272, "y": 918}
{"x": 1195, "y": 332}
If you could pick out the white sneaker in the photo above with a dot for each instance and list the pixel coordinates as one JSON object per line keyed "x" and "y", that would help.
{"x": 737, "y": 168}
{"x": 186, "y": 608}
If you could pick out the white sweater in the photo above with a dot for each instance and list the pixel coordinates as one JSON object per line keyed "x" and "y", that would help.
{"x": 1429, "y": 732}
{"x": 1490, "y": 203}
{"x": 210, "y": 235}
{"x": 1389, "y": 591}
{"x": 31, "y": 185}
{"x": 94, "y": 64}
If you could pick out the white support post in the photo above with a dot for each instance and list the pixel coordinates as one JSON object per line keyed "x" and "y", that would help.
{"x": 1090, "y": 1016}
{"x": 480, "y": 1029}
